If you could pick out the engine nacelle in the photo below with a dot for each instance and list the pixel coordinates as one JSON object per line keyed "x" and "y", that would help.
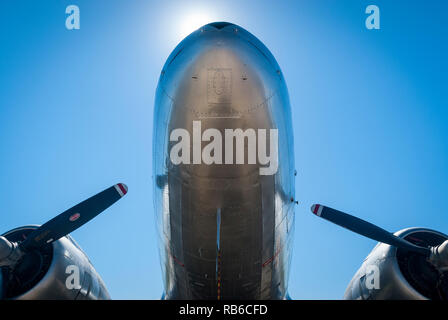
{"x": 389, "y": 273}
{"x": 44, "y": 274}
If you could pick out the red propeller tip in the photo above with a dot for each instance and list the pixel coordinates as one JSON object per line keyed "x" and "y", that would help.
{"x": 121, "y": 188}
{"x": 317, "y": 209}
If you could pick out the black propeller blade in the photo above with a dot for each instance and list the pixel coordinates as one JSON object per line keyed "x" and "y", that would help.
{"x": 366, "y": 229}
{"x": 73, "y": 218}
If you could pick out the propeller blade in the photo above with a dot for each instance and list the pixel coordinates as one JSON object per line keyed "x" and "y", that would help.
{"x": 73, "y": 218}
{"x": 366, "y": 229}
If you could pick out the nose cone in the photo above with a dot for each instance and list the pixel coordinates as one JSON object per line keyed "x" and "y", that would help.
{"x": 224, "y": 77}
{"x": 220, "y": 25}
{"x": 236, "y": 70}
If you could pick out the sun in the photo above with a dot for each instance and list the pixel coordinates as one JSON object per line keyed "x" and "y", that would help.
{"x": 193, "y": 20}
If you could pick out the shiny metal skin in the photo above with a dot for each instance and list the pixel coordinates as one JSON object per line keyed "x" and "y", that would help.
{"x": 6, "y": 248}
{"x": 52, "y": 285}
{"x": 224, "y": 230}
{"x": 394, "y": 283}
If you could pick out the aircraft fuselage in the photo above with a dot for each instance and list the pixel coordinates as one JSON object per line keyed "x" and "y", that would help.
{"x": 224, "y": 168}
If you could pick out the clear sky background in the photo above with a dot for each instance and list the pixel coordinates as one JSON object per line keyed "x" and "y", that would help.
{"x": 369, "y": 111}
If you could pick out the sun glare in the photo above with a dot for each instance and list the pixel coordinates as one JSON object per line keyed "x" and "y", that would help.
{"x": 191, "y": 21}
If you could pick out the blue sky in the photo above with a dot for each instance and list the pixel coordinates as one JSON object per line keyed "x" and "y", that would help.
{"x": 369, "y": 113}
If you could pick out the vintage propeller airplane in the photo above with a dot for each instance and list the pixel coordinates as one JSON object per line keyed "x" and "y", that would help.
{"x": 224, "y": 208}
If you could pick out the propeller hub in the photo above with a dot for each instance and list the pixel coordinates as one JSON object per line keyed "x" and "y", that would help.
{"x": 6, "y": 248}
{"x": 439, "y": 256}
{"x": 10, "y": 253}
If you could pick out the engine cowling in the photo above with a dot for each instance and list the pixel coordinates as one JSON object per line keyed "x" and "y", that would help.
{"x": 59, "y": 271}
{"x": 389, "y": 273}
